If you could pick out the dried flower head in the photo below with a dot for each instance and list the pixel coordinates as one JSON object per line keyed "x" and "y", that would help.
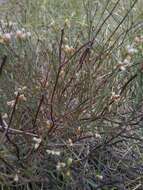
{"x": 19, "y": 33}
{"x": 22, "y": 35}
{"x": 22, "y": 97}
{"x": 69, "y": 49}
{"x": 138, "y": 39}
{"x": 7, "y": 38}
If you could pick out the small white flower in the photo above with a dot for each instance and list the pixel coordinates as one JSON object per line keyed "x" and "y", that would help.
{"x": 23, "y": 29}
{"x": 100, "y": 177}
{"x": 37, "y": 142}
{"x": 48, "y": 124}
{"x": 67, "y": 23}
{"x": 97, "y": 135}
{"x": 123, "y": 68}
{"x": 73, "y": 103}
{"x": 137, "y": 39}
{"x": 16, "y": 178}
{"x": 52, "y": 152}
{"x": 69, "y": 49}
{"x": 21, "y": 35}
{"x": 7, "y": 37}
{"x": 10, "y": 23}
{"x": 37, "y": 139}
{"x": 28, "y": 34}
{"x": 22, "y": 89}
{"x": 11, "y": 103}
{"x": 22, "y": 97}
{"x": 60, "y": 165}
{"x": 131, "y": 50}
{"x": 126, "y": 62}
{"x": 65, "y": 39}
{"x": 36, "y": 145}
{"x": 24, "y": 36}
{"x": 16, "y": 93}
{"x": 70, "y": 142}
{"x": 5, "y": 116}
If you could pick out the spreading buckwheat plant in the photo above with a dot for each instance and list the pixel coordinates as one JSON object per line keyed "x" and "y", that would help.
{"x": 71, "y": 93}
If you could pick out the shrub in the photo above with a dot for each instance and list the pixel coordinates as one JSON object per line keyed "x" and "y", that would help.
{"x": 71, "y": 95}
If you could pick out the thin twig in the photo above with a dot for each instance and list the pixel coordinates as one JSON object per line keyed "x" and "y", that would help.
{"x": 2, "y": 64}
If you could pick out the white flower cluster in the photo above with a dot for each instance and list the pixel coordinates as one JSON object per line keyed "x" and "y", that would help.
{"x": 18, "y": 34}
{"x": 53, "y": 152}
{"x": 37, "y": 142}
{"x": 131, "y": 49}
{"x": 60, "y": 165}
{"x": 22, "y": 34}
